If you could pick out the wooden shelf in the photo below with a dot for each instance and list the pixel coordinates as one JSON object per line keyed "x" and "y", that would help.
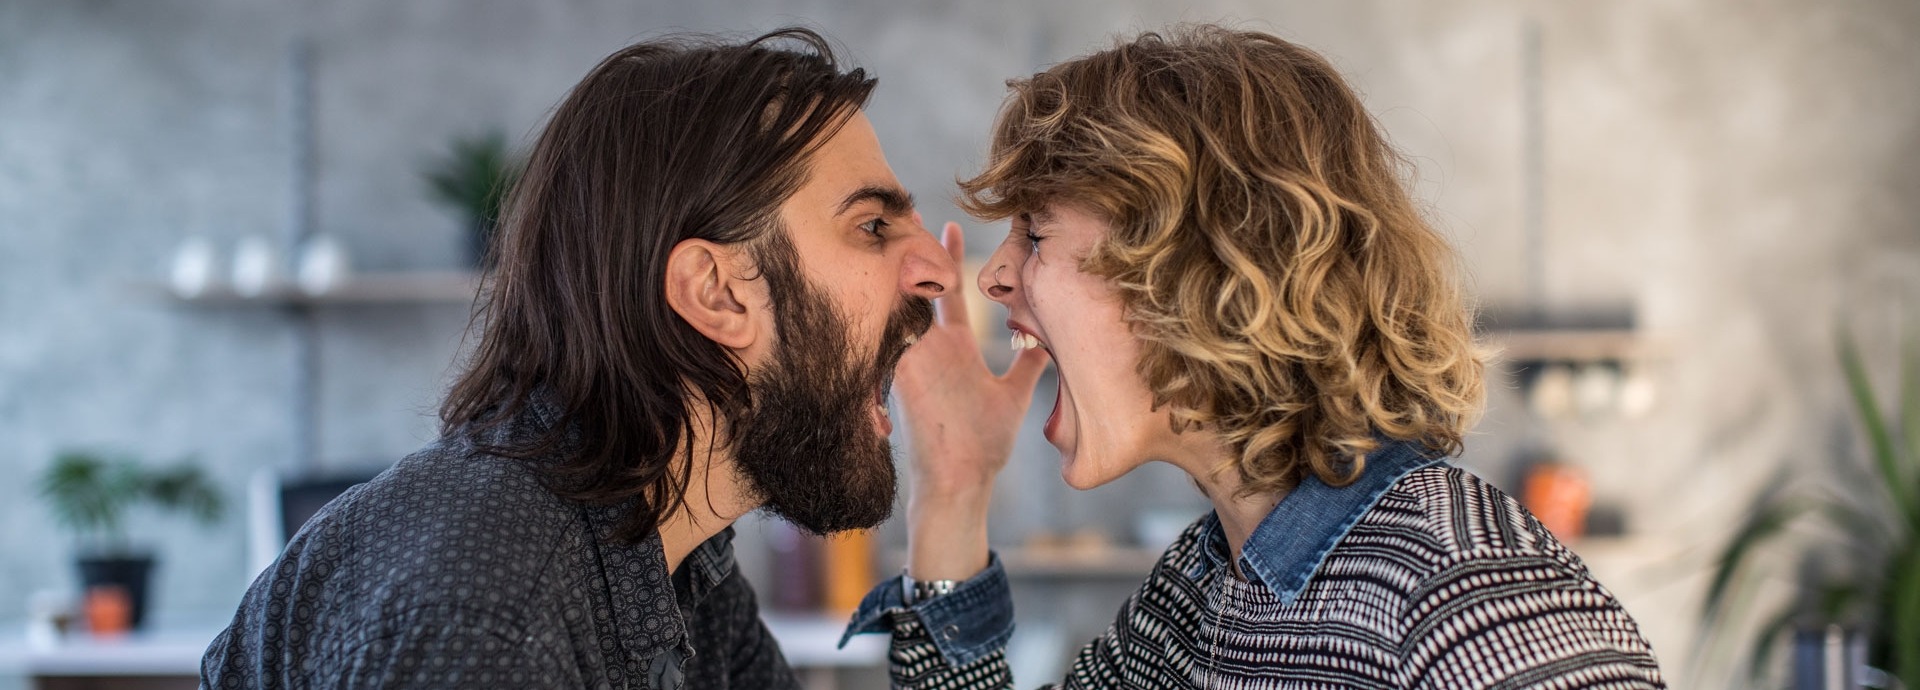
{"x": 1579, "y": 345}
{"x": 398, "y": 288}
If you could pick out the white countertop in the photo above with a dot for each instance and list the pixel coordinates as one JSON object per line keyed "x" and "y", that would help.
{"x": 807, "y": 640}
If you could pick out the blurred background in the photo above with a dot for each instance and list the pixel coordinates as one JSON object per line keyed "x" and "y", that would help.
{"x": 236, "y": 257}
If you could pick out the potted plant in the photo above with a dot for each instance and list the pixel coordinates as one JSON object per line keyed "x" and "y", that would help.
{"x": 1856, "y": 543}
{"x": 92, "y": 496}
{"x": 473, "y": 178}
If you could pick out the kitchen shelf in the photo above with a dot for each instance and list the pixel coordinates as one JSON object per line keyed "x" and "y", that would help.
{"x": 1580, "y": 345}
{"x": 1110, "y": 562}
{"x": 396, "y": 288}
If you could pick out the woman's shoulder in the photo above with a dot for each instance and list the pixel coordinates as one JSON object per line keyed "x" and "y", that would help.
{"x": 1455, "y": 513}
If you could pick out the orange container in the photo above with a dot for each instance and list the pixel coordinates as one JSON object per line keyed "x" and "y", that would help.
{"x": 849, "y": 566}
{"x": 109, "y": 610}
{"x": 1559, "y": 495}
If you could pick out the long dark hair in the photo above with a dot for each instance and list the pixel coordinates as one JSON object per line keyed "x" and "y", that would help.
{"x": 664, "y": 141}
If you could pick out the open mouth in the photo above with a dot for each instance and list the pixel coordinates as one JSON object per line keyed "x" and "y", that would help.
{"x": 883, "y": 421}
{"x": 1024, "y": 339}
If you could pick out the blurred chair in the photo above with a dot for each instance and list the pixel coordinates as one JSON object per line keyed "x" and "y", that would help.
{"x": 277, "y": 509}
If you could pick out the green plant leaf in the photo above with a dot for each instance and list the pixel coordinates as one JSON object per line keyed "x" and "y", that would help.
{"x": 1886, "y": 456}
{"x": 1763, "y": 523}
{"x": 184, "y": 487}
{"x": 475, "y": 175}
{"x": 1837, "y": 600}
{"x": 90, "y": 494}
{"x": 1870, "y": 535}
{"x": 1760, "y": 659}
{"x": 1900, "y": 621}
{"x": 1910, "y": 398}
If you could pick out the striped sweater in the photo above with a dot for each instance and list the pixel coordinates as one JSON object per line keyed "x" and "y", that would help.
{"x": 1442, "y": 582}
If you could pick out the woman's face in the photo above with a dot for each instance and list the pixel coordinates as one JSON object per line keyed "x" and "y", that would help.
{"x": 1103, "y": 422}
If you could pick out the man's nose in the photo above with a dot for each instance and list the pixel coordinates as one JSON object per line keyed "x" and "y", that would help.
{"x": 928, "y": 271}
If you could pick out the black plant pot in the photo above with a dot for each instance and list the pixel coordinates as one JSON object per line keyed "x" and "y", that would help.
{"x": 128, "y": 572}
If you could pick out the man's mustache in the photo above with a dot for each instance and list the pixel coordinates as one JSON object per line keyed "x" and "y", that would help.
{"x": 913, "y": 318}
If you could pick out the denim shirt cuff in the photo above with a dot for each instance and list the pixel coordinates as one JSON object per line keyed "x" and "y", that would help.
{"x": 966, "y": 625}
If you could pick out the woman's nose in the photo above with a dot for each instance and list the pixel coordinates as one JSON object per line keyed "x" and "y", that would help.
{"x": 1000, "y": 277}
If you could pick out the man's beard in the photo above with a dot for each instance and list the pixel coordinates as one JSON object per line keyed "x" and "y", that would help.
{"x": 807, "y": 445}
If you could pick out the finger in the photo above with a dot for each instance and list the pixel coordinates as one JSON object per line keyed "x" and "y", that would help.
{"x": 1024, "y": 373}
{"x": 952, "y": 307}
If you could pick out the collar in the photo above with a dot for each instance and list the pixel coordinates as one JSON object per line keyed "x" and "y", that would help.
{"x": 650, "y": 609}
{"x": 709, "y": 565}
{"x": 1291, "y": 542}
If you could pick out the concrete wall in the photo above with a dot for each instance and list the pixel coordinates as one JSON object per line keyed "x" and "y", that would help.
{"x": 1742, "y": 174}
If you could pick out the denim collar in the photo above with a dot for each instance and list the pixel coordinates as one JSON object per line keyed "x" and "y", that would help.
{"x": 1292, "y": 541}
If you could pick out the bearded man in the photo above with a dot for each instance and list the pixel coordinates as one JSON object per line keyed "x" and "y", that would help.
{"x": 705, "y": 278}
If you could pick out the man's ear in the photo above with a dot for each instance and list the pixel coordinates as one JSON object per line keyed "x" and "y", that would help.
{"x": 703, "y": 289}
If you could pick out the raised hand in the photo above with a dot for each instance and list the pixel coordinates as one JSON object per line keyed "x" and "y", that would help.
{"x": 961, "y": 419}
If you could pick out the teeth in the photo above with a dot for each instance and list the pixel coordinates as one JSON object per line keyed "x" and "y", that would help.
{"x": 911, "y": 339}
{"x": 1024, "y": 341}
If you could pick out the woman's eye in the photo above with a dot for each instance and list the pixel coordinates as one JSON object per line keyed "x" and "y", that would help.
{"x": 1033, "y": 241}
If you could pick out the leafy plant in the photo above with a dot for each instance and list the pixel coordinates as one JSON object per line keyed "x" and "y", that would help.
{"x": 92, "y": 495}
{"x": 475, "y": 175}
{"x": 1864, "y": 566}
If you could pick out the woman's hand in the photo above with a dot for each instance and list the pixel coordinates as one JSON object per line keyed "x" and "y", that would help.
{"x": 961, "y": 419}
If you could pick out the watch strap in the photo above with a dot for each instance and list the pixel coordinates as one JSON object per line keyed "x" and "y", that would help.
{"x": 917, "y": 591}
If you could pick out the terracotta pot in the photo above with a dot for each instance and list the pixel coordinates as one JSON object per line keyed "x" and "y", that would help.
{"x": 130, "y": 573}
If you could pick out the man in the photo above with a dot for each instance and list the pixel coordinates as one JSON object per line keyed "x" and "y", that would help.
{"x": 705, "y": 279}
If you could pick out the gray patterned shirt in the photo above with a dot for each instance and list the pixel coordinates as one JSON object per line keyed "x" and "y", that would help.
{"x": 458, "y": 569}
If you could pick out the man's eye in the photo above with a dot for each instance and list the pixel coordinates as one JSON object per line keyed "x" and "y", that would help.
{"x": 876, "y": 227}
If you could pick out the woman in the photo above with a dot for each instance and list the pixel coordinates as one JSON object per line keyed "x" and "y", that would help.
{"x": 1211, "y": 241}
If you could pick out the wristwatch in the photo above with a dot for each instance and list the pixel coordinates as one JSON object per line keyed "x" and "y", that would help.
{"x": 916, "y": 591}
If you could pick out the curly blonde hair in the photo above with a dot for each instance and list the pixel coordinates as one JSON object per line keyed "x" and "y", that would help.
{"x": 1289, "y": 295}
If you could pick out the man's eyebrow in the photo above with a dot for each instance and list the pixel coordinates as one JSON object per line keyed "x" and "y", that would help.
{"x": 896, "y": 201}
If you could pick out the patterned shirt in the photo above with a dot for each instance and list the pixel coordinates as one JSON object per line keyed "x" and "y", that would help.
{"x": 1419, "y": 575}
{"x": 457, "y": 569}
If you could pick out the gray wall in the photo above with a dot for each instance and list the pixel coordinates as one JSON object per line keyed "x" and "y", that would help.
{"x": 1741, "y": 173}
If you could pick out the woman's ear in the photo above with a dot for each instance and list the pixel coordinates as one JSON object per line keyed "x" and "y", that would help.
{"x": 703, "y": 290}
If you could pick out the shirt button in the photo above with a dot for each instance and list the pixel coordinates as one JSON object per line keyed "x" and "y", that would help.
{"x": 948, "y": 632}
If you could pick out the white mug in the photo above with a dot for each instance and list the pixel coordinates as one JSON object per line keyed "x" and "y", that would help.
{"x": 323, "y": 265}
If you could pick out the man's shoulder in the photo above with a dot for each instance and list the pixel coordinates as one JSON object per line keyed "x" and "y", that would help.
{"x": 450, "y": 489}
{"x": 448, "y": 541}
{"x": 444, "y": 527}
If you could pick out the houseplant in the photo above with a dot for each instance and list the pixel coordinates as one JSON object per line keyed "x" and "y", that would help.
{"x": 1856, "y": 541}
{"x": 473, "y": 179}
{"x": 93, "y": 496}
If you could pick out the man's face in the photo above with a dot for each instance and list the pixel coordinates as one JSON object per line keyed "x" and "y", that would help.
{"x": 850, "y": 283}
